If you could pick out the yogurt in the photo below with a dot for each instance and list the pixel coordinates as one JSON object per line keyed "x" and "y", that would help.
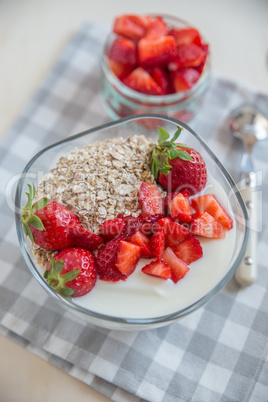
{"x": 143, "y": 296}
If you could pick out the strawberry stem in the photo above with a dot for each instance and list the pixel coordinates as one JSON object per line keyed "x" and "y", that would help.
{"x": 27, "y": 214}
{"x": 57, "y": 281}
{"x": 167, "y": 150}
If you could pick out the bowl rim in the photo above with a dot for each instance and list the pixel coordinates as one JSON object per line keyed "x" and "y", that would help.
{"x": 120, "y": 87}
{"x": 141, "y": 322}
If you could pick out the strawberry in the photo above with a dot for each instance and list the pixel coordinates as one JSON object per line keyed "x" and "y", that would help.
{"x": 120, "y": 70}
{"x": 52, "y": 226}
{"x": 179, "y": 208}
{"x": 189, "y": 251}
{"x": 105, "y": 261}
{"x": 112, "y": 228}
{"x": 177, "y": 267}
{"x": 159, "y": 269}
{"x": 72, "y": 272}
{"x": 143, "y": 241}
{"x": 157, "y": 50}
{"x": 184, "y": 78}
{"x": 132, "y": 224}
{"x": 187, "y": 56}
{"x": 161, "y": 77}
{"x": 141, "y": 81}
{"x": 131, "y": 26}
{"x": 127, "y": 257}
{"x": 175, "y": 234}
{"x": 203, "y": 224}
{"x": 177, "y": 167}
{"x": 186, "y": 36}
{"x": 156, "y": 28}
{"x": 163, "y": 222}
{"x": 150, "y": 200}
{"x": 123, "y": 51}
{"x": 158, "y": 243}
{"x": 210, "y": 204}
{"x": 201, "y": 66}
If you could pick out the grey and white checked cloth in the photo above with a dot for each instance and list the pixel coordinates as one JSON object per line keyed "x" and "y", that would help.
{"x": 218, "y": 353}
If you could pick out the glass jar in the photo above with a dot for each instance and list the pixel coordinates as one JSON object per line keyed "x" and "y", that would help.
{"x": 120, "y": 101}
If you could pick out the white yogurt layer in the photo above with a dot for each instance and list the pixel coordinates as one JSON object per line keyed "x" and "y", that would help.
{"x": 144, "y": 296}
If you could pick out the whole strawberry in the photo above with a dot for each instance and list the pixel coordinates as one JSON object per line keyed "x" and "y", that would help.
{"x": 176, "y": 166}
{"x": 72, "y": 272}
{"x": 52, "y": 226}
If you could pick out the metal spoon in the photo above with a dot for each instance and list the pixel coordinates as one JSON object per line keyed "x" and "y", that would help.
{"x": 248, "y": 125}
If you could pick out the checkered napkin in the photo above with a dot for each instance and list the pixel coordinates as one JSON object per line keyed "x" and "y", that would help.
{"x": 218, "y": 353}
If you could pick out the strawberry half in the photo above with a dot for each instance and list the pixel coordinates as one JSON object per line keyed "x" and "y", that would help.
{"x": 150, "y": 200}
{"x": 184, "y": 78}
{"x": 189, "y": 251}
{"x": 131, "y": 26}
{"x": 127, "y": 257}
{"x": 203, "y": 224}
{"x": 123, "y": 51}
{"x": 159, "y": 269}
{"x": 120, "y": 70}
{"x": 141, "y": 81}
{"x": 143, "y": 241}
{"x": 186, "y": 36}
{"x": 105, "y": 261}
{"x": 176, "y": 234}
{"x": 72, "y": 272}
{"x": 156, "y": 28}
{"x": 158, "y": 243}
{"x": 177, "y": 267}
{"x": 52, "y": 226}
{"x": 156, "y": 51}
{"x": 179, "y": 208}
{"x": 112, "y": 228}
{"x": 210, "y": 204}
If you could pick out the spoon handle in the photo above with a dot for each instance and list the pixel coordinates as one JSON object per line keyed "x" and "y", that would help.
{"x": 246, "y": 273}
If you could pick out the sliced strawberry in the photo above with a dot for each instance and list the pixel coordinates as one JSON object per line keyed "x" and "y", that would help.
{"x": 123, "y": 51}
{"x": 210, "y": 204}
{"x": 159, "y": 269}
{"x": 177, "y": 267}
{"x": 143, "y": 241}
{"x": 158, "y": 243}
{"x": 141, "y": 81}
{"x": 179, "y": 208}
{"x": 163, "y": 222}
{"x": 120, "y": 70}
{"x": 156, "y": 51}
{"x": 105, "y": 261}
{"x": 201, "y": 66}
{"x": 156, "y": 28}
{"x": 161, "y": 77}
{"x": 85, "y": 239}
{"x": 127, "y": 257}
{"x": 132, "y": 224}
{"x": 169, "y": 197}
{"x": 112, "y": 228}
{"x": 189, "y": 56}
{"x": 176, "y": 234}
{"x": 203, "y": 224}
{"x": 150, "y": 200}
{"x": 189, "y": 251}
{"x": 186, "y": 36}
{"x": 184, "y": 79}
{"x": 131, "y": 26}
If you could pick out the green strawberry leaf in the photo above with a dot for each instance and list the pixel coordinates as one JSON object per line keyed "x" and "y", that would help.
{"x": 57, "y": 281}
{"x": 36, "y": 222}
{"x": 166, "y": 150}
{"x": 69, "y": 276}
{"x": 42, "y": 203}
{"x": 163, "y": 135}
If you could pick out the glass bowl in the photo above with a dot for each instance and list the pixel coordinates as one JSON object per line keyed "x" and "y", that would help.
{"x": 230, "y": 196}
{"x": 120, "y": 101}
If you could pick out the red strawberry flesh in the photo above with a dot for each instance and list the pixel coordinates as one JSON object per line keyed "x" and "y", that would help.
{"x": 158, "y": 269}
{"x": 127, "y": 257}
{"x": 177, "y": 267}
